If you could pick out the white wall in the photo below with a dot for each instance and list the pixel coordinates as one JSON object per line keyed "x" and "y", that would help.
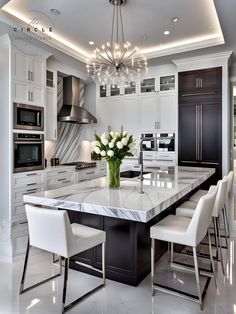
{"x": 5, "y": 125}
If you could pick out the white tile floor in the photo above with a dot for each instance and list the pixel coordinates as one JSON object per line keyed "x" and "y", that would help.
{"x": 115, "y": 298}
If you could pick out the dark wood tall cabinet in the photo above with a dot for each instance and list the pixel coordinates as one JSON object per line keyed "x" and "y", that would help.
{"x": 200, "y": 119}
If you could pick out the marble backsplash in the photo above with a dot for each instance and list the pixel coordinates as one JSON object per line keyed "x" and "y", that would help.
{"x": 70, "y": 136}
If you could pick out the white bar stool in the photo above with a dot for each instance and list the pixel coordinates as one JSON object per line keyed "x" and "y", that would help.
{"x": 51, "y": 231}
{"x": 227, "y": 206}
{"x": 187, "y": 232}
{"x": 188, "y": 208}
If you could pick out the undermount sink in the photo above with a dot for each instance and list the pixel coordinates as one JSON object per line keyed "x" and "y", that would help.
{"x": 131, "y": 174}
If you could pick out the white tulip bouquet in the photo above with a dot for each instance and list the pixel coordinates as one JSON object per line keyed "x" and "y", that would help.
{"x": 114, "y": 147}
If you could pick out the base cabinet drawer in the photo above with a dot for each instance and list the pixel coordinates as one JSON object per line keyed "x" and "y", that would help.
{"x": 27, "y": 180}
{"x": 83, "y": 175}
{"x": 19, "y": 238}
{"x": 53, "y": 182}
{"x": 17, "y": 195}
{"x": 19, "y": 243}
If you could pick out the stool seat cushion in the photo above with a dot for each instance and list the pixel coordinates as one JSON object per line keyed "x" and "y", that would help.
{"x": 172, "y": 229}
{"x": 196, "y": 196}
{"x": 186, "y": 209}
{"x": 86, "y": 237}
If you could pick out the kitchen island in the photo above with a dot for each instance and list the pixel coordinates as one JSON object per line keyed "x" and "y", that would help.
{"x": 125, "y": 215}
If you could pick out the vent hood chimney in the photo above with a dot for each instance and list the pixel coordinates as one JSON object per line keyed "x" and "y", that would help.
{"x": 71, "y": 110}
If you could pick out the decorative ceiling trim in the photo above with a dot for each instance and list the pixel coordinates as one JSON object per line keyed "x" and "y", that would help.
{"x": 69, "y": 48}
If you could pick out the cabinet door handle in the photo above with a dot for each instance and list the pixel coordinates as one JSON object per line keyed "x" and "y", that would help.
{"x": 201, "y": 82}
{"x": 200, "y": 136}
{"x": 158, "y": 124}
{"x": 61, "y": 172}
{"x": 92, "y": 172}
{"x": 28, "y": 75}
{"x": 55, "y": 133}
{"x": 28, "y": 95}
{"x": 63, "y": 179}
{"x": 31, "y": 174}
{"x": 196, "y": 82}
{"x": 32, "y": 76}
{"x": 196, "y": 131}
{"x": 155, "y": 125}
{"x": 121, "y": 128}
{"x": 66, "y": 181}
{"x": 198, "y": 94}
{"x": 31, "y": 184}
{"x": 30, "y": 191}
{"x": 32, "y": 96}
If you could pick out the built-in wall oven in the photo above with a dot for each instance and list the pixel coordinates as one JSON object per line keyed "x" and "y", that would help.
{"x": 28, "y": 117}
{"x": 165, "y": 142}
{"x": 28, "y": 152}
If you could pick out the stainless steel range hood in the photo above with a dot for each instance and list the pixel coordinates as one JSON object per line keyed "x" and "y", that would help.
{"x": 72, "y": 111}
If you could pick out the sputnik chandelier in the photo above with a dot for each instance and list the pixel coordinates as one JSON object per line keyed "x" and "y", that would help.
{"x": 117, "y": 61}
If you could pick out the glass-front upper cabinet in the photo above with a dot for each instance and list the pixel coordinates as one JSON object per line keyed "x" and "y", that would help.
{"x": 167, "y": 83}
{"x": 103, "y": 91}
{"x": 114, "y": 90}
{"x": 148, "y": 85}
{"x": 130, "y": 88}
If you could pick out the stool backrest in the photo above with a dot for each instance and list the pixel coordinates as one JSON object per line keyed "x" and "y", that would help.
{"x": 230, "y": 178}
{"x": 202, "y": 216}
{"x": 49, "y": 230}
{"x": 221, "y": 195}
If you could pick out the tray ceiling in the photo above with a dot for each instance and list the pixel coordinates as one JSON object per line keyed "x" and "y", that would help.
{"x": 82, "y": 21}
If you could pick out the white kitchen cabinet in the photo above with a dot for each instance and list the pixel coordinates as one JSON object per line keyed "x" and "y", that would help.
{"x": 148, "y": 113}
{"x": 130, "y": 114}
{"x": 166, "y": 83}
{"x": 103, "y": 116}
{"x": 51, "y": 114}
{"x": 51, "y": 78}
{"x": 21, "y": 93}
{"x": 116, "y": 114}
{"x": 148, "y": 85}
{"x": 37, "y": 95}
{"x": 24, "y": 183}
{"x": 20, "y": 65}
{"x": 86, "y": 174}
{"x": 28, "y": 68}
{"x": 19, "y": 238}
{"x": 37, "y": 69}
{"x": 55, "y": 179}
{"x": 28, "y": 94}
{"x": 167, "y": 111}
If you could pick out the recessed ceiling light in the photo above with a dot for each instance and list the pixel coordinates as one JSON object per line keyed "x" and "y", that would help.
{"x": 55, "y": 12}
{"x": 91, "y": 43}
{"x": 166, "y": 33}
{"x": 175, "y": 19}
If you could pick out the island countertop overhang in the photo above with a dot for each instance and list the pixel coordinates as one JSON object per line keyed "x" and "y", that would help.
{"x": 162, "y": 188}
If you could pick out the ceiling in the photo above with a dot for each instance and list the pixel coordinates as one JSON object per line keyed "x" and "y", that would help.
{"x": 82, "y": 21}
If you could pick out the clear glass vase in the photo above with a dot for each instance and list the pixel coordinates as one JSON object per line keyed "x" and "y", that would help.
{"x": 114, "y": 174}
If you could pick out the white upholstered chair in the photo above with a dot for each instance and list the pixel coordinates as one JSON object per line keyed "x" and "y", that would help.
{"x": 188, "y": 232}
{"x": 188, "y": 208}
{"x": 51, "y": 231}
{"x": 195, "y": 198}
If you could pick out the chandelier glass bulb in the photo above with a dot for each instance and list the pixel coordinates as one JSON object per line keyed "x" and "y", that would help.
{"x": 117, "y": 60}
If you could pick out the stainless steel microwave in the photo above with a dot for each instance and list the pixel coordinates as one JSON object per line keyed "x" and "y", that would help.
{"x": 28, "y": 152}
{"x": 28, "y": 117}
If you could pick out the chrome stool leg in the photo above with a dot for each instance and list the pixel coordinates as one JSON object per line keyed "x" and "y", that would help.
{"x": 197, "y": 277}
{"x": 220, "y": 246}
{"x": 152, "y": 264}
{"x": 212, "y": 261}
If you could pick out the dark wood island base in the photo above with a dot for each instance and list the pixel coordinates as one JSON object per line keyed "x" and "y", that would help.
{"x": 128, "y": 247}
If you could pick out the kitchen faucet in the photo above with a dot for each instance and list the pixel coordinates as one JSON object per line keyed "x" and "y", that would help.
{"x": 140, "y": 162}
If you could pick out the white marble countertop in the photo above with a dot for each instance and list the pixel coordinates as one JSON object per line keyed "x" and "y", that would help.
{"x": 162, "y": 188}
